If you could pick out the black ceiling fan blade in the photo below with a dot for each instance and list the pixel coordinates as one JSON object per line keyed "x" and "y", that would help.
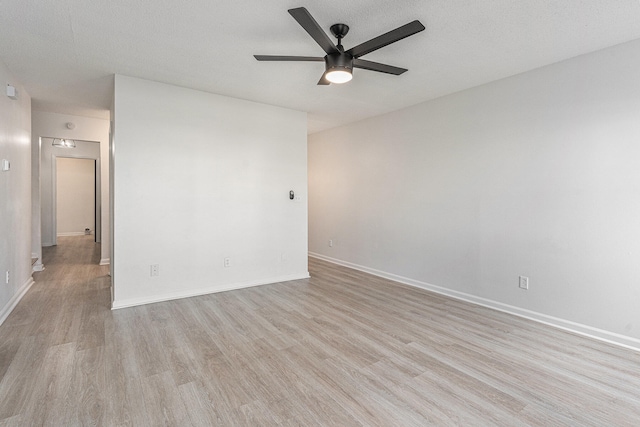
{"x": 376, "y": 66}
{"x": 323, "y": 80}
{"x": 386, "y": 39}
{"x": 288, "y": 58}
{"x": 310, "y": 25}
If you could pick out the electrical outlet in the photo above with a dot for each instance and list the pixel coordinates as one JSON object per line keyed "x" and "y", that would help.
{"x": 523, "y": 282}
{"x": 227, "y": 262}
{"x": 6, "y": 278}
{"x": 155, "y": 270}
{"x": 330, "y": 243}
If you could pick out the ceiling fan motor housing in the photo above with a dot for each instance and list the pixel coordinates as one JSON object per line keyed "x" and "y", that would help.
{"x": 339, "y": 61}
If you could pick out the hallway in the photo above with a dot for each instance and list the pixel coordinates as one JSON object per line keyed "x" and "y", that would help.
{"x": 52, "y": 341}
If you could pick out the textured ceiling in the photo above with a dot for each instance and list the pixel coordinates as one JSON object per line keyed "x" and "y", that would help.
{"x": 65, "y": 52}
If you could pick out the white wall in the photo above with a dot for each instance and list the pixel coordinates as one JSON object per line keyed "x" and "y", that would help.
{"x": 75, "y": 191}
{"x": 198, "y": 178}
{"x": 86, "y": 129}
{"x": 15, "y": 194}
{"x": 535, "y": 175}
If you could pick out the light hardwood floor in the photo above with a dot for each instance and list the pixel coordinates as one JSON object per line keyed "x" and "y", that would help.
{"x": 342, "y": 348}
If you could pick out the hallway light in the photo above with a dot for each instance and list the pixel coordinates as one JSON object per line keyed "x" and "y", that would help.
{"x": 64, "y": 143}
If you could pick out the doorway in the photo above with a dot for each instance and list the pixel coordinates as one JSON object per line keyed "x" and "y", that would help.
{"x": 87, "y": 151}
{"x": 76, "y": 201}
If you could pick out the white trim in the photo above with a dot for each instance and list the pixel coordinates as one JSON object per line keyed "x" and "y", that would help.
{"x": 567, "y": 325}
{"x": 204, "y": 291}
{"x": 37, "y": 267}
{"x": 13, "y": 302}
{"x": 71, "y": 233}
{"x": 105, "y": 261}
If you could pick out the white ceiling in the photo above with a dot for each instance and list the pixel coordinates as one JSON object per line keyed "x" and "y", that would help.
{"x": 66, "y": 51}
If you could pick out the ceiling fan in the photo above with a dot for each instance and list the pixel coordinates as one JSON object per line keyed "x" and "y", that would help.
{"x": 339, "y": 63}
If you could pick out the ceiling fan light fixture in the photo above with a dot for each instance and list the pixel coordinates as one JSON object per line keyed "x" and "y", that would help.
{"x": 339, "y": 75}
{"x": 339, "y": 67}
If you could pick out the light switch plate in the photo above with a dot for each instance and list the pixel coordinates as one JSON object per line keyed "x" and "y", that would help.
{"x": 6, "y": 165}
{"x": 11, "y": 92}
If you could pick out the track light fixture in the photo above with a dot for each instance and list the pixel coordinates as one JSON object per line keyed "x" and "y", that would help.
{"x": 64, "y": 143}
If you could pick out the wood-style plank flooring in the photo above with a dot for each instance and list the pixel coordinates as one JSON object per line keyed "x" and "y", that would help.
{"x": 342, "y": 348}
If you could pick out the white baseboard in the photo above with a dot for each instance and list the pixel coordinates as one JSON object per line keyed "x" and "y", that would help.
{"x": 105, "y": 261}
{"x": 203, "y": 291}
{"x": 37, "y": 267}
{"x": 71, "y": 233}
{"x": 567, "y": 325}
{"x": 13, "y": 302}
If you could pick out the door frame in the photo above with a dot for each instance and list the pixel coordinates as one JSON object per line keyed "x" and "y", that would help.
{"x": 54, "y": 195}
